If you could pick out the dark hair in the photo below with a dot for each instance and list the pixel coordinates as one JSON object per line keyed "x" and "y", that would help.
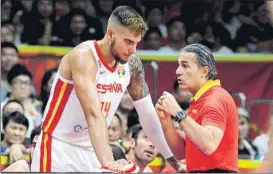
{"x": 135, "y": 130}
{"x": 9, "y": 45}
{"x": 117, "y": 152}
{"x": 43, "y": 93}
{"x": 17, "y": 70}
{"x": 132, "y": 119}
{"x": 153, "y": 5}
{"x": 34, "y": 132}
{"x": 119, "y": 118}
{"x": 16, "y": 117}
{"x": 204, "y": 58}
{"x": 12, "y": 101}
{"x": 175, "y": 85}
{"x": 152, "y": 30}
{"x": 173, "y": 20}
{"x": 8, "y": 22}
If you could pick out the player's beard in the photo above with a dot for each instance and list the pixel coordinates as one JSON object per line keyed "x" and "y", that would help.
{"x": 114, "y": 53}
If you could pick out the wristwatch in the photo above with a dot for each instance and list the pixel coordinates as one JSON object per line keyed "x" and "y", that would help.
{"x": 180, "y": 116}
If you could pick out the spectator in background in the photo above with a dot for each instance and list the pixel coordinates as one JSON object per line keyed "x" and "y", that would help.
{"x": 116, "y": 133}
{"x": 246, "y": 150}
{"x": 103, "y": 9}
{"x": 15, "y": 127}
{"x": 7, "y": 32}
{"x": 39, "y": 23}
{"x": 176, "y": 36}
{"x": 153, "y": 39}
{"x": 62, "y": 8}
{"x": 142, "y": 151}
{"x": 46, "y": 84}
{"x": 154, "y": 14}
{"x": 79, "y": 28}
{"x": 9, "y": 57}
{"x": 6, "y": 6}
{"x": 262, "y": 141}
{"x": 24, "y": 165}
{"x": 11, "y": 106}
{"x": 20, "y": 81}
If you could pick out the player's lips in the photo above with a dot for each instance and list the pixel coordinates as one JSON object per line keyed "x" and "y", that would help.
{"x": 150, "y": 152}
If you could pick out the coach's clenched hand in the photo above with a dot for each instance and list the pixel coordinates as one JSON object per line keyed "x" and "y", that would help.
{"x": 168, "y": 103}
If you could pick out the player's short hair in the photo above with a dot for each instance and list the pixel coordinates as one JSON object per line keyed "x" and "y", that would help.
{"x": 9, "y": 45}
{"x": 129, "y": 18}
{"x": 135, "y": 130}
{"x": 36, "y": 131}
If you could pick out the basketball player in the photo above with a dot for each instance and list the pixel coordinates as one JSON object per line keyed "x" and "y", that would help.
{"x": 85, "y": 94}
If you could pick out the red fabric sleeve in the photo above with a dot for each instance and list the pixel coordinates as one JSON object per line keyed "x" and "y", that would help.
{"x": 215, "y": 115}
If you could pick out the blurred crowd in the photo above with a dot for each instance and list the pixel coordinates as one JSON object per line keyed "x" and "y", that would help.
{"x": 224, "y": 26}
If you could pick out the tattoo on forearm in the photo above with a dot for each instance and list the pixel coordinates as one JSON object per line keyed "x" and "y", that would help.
{"x": 138, "y": 87}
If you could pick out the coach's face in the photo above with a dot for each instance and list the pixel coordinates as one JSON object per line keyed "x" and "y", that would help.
{"x": 189, "y": 74}
{"x": 123, "y": 43}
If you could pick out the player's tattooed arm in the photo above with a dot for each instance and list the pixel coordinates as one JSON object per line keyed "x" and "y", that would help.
{"x": 138, "y": 87}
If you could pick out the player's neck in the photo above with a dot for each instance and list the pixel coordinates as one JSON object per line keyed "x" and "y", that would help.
{"x": 132, "y": 156}
{"x": 105, "y": 51}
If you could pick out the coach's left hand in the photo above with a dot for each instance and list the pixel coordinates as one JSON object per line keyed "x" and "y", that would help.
{"x": 168, "y": 103}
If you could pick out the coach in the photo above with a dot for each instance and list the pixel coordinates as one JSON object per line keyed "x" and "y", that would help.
{"x": 211, "y": 123}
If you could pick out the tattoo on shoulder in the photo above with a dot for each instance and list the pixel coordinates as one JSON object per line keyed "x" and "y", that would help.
{"x": 138, "y": 87}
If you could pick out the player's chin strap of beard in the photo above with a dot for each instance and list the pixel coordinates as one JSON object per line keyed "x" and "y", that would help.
{"x": 201, "y": 51}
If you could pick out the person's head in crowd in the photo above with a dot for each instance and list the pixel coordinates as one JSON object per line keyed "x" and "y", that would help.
{"x": 153, "y": 39}
{"x": 154, "y": 14}
{"x": 43, "y": 9}
{"x": 6, "y": 6}
{"x": 196, "y": 67}
{"x": 261, "y": 13}
{"x": 13, "y": 106}
{"x": 244, "y": 123}
{"x": 7, "y": 32}
{"x": 62, "y": 7}
{"x": 181, "y": 95}
{"x": 20, "y": 81}
{"x": 142, "y": 150}
{"x": 194, "y": 37}
{"x": 33, "y": 138}
{"x": 15, "y": 126}
{"x": 46, "y": 85}
{"x": 103, "y": 8}
{"x": 115, "y": 128}
{"x": 176, "y": 29}
{"x": 126, "y": 103}
{"x": 78, "y": 21}
{"x": 9, "y": 57}
{"x": 81, "y": 4}
{"x": 117, "y": 152}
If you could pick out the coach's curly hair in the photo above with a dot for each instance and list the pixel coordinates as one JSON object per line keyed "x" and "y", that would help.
{"x": 129, "y": 18}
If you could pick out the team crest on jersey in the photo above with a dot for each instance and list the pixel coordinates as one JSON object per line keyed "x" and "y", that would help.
{"x": 121, "y": 71}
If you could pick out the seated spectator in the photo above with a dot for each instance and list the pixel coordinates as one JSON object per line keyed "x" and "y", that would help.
{"x": 7, "y": 34}
{"x": 153, "y": 39}
{"x": 9, "y": 57}
{"x": 176, "y": 36}
{"x": 24, "y": 165}
{"x": 39, "y": 23}
{"x": 115, "y": 132}
{"x": 79, "y": 28}
{"x": 20, "y": 81}
{"x": 262, "y": 141}
{"x": 11, "y": 106}
{"x": 46, "y": 84}
{"x": 246, "y": 150}
{"x": 142, "y": 151}
{"x": 15, "y": 127}
{"x": 154, "y": 14}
